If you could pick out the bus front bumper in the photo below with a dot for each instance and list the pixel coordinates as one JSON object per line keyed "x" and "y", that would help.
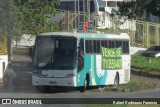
{"x": 39, "y": 81}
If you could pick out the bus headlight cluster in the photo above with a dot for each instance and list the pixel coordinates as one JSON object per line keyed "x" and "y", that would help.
{"x": 70, "y": 75}
{"x": 44, "y": 73}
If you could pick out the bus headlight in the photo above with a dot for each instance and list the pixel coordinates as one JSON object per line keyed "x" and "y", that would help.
{"x": 44, "y": 73}
{"x": 70, "y": 75}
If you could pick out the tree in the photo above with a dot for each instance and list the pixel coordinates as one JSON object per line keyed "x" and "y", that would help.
{"x": 154, "y": 7}
{"x": 37, "y": 15}
{"x": 136, "y": 9}
{"x": 25, "y": 16}
{"x": 133, "y": 9}
{"x": 10, "y": 22}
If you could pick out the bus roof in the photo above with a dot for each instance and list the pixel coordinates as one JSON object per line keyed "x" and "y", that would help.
{"x": 85, "y": 35}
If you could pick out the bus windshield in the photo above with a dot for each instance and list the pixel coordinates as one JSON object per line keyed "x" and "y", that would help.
{"x": 55, "y": 53}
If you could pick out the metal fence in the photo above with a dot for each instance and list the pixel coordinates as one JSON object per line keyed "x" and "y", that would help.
{"x": 146, "y": 34}
{"x": 142, "y": 33}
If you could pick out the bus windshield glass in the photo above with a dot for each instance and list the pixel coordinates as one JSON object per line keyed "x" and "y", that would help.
{"x": 56, "y": 53}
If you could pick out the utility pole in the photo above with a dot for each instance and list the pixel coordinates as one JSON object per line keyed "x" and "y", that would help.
{"x": 88, "y": 10}
{"x": 75, "y": 6}
{"x": 84, "y": 10}
{"x": 78, "y": 12}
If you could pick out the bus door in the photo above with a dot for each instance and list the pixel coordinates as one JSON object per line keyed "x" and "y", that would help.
{"x": 81, "y": 55}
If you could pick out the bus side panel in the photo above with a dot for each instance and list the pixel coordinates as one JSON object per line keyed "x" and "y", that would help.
{"x": 99, "y": 76}
{"x": 92, "y": 66}
{"x": 125, "y": 77}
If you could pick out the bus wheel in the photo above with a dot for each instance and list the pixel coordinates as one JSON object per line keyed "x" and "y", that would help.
{"x": 116, "y": 80}
{"x": 83, "y": 88}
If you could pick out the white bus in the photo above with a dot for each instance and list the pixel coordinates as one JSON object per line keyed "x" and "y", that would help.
{"x": 100, "y": 10}
{"x": 81, "y": 60}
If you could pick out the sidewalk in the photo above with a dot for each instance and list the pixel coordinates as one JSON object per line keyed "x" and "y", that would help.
{"x": 21, "y": 54}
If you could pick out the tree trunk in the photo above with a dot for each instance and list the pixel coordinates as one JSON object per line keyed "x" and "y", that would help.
{"x": 9, "y": 48}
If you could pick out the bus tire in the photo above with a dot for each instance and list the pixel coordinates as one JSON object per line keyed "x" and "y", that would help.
{"x": 116, "y": 80}
{"x": 86, "y": 84}
{"x": 83, "y": 88}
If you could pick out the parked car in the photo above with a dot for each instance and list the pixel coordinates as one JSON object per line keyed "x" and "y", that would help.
{"x": 153, "y": 51}
{"x": 23, "y": 74}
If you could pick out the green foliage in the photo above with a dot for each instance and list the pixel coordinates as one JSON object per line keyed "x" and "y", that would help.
{"x": 30, "y": 16}
{"x": 25, "y": 16}
{"x": 10, "y": 18}
{"x": 37, "y": 15}
{"x": 135, "y": 9}
{"x": 154, "y": 7}
{"x": 131, "y": 86}
{"x": 146, "y": 63}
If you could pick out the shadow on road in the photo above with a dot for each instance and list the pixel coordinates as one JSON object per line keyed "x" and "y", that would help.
{"x": 51, "y": 90}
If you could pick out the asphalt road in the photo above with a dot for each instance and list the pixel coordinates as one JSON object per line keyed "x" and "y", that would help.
{"x": 62, "y": 96}
{"x": 29, "y": 93}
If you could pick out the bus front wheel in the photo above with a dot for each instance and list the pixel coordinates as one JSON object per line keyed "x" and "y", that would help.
{"x": 86, "y": 84}
{"x": 116, "y": 80}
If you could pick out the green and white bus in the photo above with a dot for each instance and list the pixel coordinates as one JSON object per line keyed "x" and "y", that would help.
{"x": 81, "y": 60}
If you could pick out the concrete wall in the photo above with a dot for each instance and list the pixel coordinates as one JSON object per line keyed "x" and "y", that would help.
{"x": 3, "y": 65}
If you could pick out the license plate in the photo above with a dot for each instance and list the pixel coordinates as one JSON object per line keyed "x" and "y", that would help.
{"x": 52, "y": 82}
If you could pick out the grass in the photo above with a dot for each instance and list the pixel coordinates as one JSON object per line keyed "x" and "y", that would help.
{"x": 146, "y": 63}
{"x": 133, "y": 85}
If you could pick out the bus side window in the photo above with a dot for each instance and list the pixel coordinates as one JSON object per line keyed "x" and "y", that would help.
{"x": 126, "y": 47}
{"x": 89, "y": 46}
{"x": 81, "y": 55}
{"x": 119, "y": 44}
{"x": 105, "y": 43}
{"x": 96, "y": 46}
